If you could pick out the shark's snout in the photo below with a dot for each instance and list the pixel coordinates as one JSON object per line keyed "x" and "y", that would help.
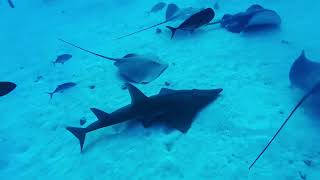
{"x": 207, "y": 95}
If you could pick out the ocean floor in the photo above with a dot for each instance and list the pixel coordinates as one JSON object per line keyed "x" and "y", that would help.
{"x": 225, "y": 137}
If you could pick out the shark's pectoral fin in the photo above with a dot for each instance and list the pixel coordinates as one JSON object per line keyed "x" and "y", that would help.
{"x": 146, "y": 122}
{"x": 101, "y": 115}
{"x": 136, "y": 95}
{"x": 181, "y": 121}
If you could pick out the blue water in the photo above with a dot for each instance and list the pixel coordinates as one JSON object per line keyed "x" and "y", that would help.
{"x": 224, "y": 138}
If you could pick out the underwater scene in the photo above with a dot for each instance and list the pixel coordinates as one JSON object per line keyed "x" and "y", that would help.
{"x": 159, "y": 90}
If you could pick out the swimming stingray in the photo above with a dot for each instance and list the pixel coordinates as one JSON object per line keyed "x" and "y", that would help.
{"x": 6, "y": 88}
{"x": 304, "y": 73}
{"x": 134, "y": 68}
{"x": 172, "y": 13}
{"x": 254, "y": 18}
{"x": 314, "y": 90}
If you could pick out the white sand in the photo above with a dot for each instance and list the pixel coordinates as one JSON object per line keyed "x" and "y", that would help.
{"x": 225, "y": 137}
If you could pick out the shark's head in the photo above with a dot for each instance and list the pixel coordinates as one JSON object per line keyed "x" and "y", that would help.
{"x": 204, "y": 97}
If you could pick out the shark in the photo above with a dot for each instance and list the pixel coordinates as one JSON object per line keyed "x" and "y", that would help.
{"x": 175, "y": 108}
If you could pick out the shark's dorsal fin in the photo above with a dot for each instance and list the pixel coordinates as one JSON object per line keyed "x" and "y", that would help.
{"x": 164, "y": 91}
{"x": 136, "y": 95}
{"x": 101, "y": 115}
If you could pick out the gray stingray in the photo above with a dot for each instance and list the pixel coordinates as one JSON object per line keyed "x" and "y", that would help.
{"x": 304, "y": 73}
{"x": 254, "y": 18}
{"x": 157, "y": 7}
{"x": 133, "y": 67}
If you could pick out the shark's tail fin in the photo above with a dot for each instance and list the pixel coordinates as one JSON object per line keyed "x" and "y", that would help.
{"x": 50, "y": 94}
{"x": 80, "y": 133}
{"x": 173, "y": 30}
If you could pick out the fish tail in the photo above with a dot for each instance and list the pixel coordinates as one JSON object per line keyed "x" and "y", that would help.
{"x": 51, "y": 94}
{"x": 11, "y": 4}
{"x": 173, "y": 30}
{"x": 79, "y": 133}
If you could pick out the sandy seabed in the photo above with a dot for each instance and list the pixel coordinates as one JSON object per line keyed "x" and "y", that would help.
{"x": 224, "y": 138}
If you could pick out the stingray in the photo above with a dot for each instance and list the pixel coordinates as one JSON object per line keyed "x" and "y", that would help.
{"x": 304, "y": 73}
{"x": 133, "y": 67}
{"x": 172, "y": 13}
{"x": 314, "y": 90}
{"x": 254, "y": 18}
{"x": 157, "y": 7}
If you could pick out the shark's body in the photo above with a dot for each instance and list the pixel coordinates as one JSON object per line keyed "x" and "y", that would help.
{"x": 175, "y": 108}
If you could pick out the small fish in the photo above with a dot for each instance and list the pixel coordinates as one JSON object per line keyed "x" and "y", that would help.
{"x": 62, "y": 58}
{"x": 60, "y": 88}
{"x": 6, "y": 88}
{"x": 11, "y": 3}
{"x": 157, "y": 7}
{"x": 195, "y": 21}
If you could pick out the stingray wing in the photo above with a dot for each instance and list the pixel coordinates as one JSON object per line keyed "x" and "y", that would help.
{"x": 263, "y": 18}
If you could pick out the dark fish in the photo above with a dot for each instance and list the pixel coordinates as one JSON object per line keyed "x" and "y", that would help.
{"x": 11, "y": 3}
{"x": 60, "y": 88}
{"x": 157, "y": 7}
{"x": 62, "y": 58}
{"x": 314, "y": 90}
{"x": 133, "y": 67}
{"x": 195, "y": 21}
{"x": 6, "y": 88}
{"x": 171, "y": 11}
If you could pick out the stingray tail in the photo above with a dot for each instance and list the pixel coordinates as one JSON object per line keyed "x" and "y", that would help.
{"x": 315, "y": 89}
{"x": 173, "y": 30}
{"x": 79, "y": 133}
